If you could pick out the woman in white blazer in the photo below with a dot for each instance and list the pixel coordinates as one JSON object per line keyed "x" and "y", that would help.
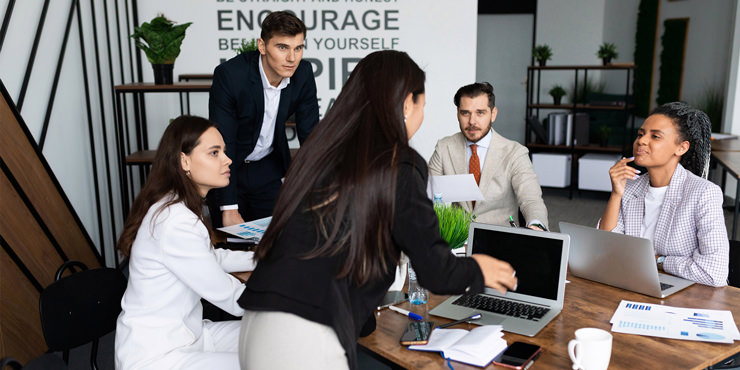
{"x": 673, "y": 204}
{"x": 173, "y": 264}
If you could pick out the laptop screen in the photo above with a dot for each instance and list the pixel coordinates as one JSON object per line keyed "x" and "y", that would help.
{"x": 535, "y": 259}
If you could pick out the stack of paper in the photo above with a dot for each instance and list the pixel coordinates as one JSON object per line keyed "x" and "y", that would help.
{"x": 674, "y": 322}
{"x": 252, "y": 230}
{"x": 476, "y": 347}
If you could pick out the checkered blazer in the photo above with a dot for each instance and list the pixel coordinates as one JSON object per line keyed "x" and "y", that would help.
{"x": 691, "y": 230}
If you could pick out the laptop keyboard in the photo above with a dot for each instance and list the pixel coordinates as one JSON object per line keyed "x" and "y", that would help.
{"x": 664, "y": 286}
{"x": 502, "y": 306}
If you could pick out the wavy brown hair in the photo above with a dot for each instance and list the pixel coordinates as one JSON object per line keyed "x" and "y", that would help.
{"x": 167, "y": 177}
{"x": 345, "y": 173}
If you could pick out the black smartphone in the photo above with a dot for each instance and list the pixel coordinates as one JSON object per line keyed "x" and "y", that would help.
{"x": 417, "y": 333}
{"x": 518, "y": 355}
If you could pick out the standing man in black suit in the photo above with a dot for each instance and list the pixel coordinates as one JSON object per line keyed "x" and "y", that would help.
{"x": 252, "y": 96}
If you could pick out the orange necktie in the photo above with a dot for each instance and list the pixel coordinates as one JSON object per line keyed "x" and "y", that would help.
{"x": 474, "y": 165}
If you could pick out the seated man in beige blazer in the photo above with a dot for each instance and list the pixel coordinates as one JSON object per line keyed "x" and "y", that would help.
{"x": 500, "y": 166}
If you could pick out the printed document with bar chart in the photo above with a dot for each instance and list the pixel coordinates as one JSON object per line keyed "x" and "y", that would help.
{"x": 251, "y": 230}
{"x": 674, "y": 322}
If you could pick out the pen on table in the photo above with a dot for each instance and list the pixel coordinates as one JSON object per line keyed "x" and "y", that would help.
{"x": 511, "y": 221}
{"x": 473, "y": 317}
{"x": 407, "y": 313}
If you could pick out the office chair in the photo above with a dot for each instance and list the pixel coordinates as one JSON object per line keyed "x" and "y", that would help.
{"x": 80, "y": 308}
{"x": 733, "y": 278}
{"x": 47, "y": 361}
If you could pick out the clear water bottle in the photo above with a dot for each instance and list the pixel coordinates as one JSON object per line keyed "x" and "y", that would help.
{"x": 417, "y": 294}
{"x": 437, "y": 198}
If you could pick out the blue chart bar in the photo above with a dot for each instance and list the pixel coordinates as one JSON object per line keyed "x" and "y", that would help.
{"x": 641, "y": 326}
{"x": 640, "y": 307}
{"x": 705, "y": 323}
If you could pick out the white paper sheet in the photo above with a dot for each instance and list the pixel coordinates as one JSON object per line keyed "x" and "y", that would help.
{"x": 454, "y": 188}
{"x": 252, "y": 230}
{"x": 674, "y": 322}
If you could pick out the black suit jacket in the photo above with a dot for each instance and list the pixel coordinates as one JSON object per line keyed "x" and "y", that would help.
{"x": 237, "y": 105}
{"x": 286, "y": 281}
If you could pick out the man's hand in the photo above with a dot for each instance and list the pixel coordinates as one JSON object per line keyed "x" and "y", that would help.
{"x": 231, "y": 217}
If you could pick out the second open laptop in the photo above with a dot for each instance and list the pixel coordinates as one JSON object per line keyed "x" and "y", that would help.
{"x": 618, "y": 260}
{"x": 540, "y": 260}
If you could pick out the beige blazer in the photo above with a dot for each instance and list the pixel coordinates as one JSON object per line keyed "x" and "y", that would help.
{"x": 508, "y": 181}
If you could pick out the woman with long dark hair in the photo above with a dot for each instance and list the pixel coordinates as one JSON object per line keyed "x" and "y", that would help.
{"x": 353, "y": 200}
{"x": 172, "y": 263}
{"x": 673, "y": 204}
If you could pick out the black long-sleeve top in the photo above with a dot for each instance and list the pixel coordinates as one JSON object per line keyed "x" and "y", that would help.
{"x": 309, "y": 288}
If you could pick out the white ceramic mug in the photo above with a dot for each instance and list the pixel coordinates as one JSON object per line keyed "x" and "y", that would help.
{"x": 591, "y": 350}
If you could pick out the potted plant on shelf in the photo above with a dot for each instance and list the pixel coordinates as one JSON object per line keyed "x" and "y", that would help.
{"x": 160, "y": 39}
{"x": 605, "y": 132}
{"x": 453, "y": 224}
{"x": 557, "y": 92}
{"x": 607, "y": 52}
{"x": 542, "y": 53}
{"x": 247, "y": 46}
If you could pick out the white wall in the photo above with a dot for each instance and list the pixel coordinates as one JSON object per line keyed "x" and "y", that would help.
{"x": 573, "y": 29}
{"x": 67, "y": 146}
{"x": 504, "y": 52}
{"x": 620, "y": 25}
{"x": 441, "y": 41}
{"x": 707, "y": 44}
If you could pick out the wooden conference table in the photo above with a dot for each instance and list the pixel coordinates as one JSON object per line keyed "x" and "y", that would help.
{"x": 587, "y": 304}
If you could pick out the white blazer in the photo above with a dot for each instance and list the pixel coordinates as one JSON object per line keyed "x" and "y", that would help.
{"x": 173, "y": 265}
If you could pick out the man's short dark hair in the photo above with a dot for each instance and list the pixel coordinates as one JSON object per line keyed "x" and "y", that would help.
{"x": 474, "y": 90}
{"x": 281, "y": 23}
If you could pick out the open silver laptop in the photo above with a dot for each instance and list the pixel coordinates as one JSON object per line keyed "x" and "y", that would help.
{"x": 618, "y": 260}
{"x": 540, "y": 260}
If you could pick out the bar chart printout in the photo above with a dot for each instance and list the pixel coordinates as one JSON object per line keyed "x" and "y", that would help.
{"x": 674, "y": 322}
{"x": 252, "y": 230}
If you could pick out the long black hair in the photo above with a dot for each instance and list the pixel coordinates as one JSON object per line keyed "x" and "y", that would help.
{"x": 693, "y": 126}
{"x": 345, "y": 173}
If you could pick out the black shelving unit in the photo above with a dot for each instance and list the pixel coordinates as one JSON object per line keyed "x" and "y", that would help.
{"x": 534, "y": 105}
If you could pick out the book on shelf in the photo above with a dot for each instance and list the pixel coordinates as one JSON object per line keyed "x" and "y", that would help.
{"x": 556, "y": 122}
{"x": 568, "y": 128}
{"x": 475, "y": 347}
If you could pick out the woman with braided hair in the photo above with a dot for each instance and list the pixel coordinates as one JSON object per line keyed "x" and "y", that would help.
{"x": 673, "y": 204}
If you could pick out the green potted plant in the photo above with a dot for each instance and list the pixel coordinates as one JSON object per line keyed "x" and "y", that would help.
{"x": 247, "y": 46}
{"x": 605, "y": 132}
{"x": 542, "y": 53}
{"x": 607, "y": 52}
{"x": 557, "y": 92}
{"x": 160, "y": 39}
{"x": 453, "y": 224}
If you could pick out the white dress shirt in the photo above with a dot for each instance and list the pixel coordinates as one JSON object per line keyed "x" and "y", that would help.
{"x": 272, "y": 102}
{"x": 267, "y": 132}
{"x": 481, "y": 150}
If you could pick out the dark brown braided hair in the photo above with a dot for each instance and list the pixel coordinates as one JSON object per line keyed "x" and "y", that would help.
{"x": 693, "y": 126}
